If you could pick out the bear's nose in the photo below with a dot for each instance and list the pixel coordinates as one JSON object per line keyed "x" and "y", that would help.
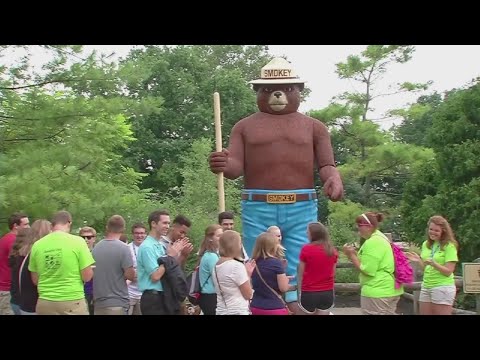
{"x": 277, "y": 94}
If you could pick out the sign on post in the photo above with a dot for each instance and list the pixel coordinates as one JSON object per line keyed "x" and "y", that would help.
{"x": 471, "y": 278}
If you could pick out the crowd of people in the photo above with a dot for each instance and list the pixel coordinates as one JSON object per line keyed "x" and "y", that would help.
{"x": 46, "y": 270}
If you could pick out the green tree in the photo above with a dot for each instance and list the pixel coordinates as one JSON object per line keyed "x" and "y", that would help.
{"x": 373, "y": 166}
{"x": 341, "y": 222}
{"x": 198, "y": 196}
{"x": 416, "y": 120}
{"x": 62, "y": 149}
{"x": 183, "y": 79}
{"x": 452, "y": 178}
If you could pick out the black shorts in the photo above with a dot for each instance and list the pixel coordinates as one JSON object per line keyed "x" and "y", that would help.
{"x": 312, "y": 300}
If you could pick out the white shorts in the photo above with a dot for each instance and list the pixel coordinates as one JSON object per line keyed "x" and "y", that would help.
{"x": 441, "y": 295}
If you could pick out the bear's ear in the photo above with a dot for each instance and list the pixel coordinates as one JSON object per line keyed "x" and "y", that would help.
{"x": 256, "y": 87}
{"x": 300, "y": 87}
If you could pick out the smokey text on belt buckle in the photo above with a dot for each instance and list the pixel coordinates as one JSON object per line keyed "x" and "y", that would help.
{"x": 281, "y": 198}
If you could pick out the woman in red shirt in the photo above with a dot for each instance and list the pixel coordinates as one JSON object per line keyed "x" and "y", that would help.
{"x": 316, "y": 272}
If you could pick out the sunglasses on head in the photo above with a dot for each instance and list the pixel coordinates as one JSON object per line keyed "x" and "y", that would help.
{"x": 88, "y": 237}
{"x": 362, "y": 224}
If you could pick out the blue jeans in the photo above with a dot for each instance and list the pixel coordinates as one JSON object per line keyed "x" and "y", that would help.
{"x": 15, "y": 308}
{"x": 292, "y": 219}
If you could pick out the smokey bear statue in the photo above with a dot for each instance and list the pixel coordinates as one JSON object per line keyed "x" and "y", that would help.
{"x": 277, "y": 150}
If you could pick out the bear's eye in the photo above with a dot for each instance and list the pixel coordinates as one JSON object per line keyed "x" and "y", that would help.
{"x": 288, "y": 89}
{"x": 267, "y": 89}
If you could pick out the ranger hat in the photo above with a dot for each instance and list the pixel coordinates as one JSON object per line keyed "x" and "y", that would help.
{"x": 278, "y": 71}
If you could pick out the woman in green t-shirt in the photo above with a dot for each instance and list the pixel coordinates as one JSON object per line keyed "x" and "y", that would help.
{"x": 379, "y": 295}
{"x": 438, "y": 257}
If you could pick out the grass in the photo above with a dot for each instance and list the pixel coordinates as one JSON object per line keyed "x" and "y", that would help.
{"x": 346, "y": 276}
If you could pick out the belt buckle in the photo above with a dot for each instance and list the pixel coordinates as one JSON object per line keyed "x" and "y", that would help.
{"x": 281, "y": 198}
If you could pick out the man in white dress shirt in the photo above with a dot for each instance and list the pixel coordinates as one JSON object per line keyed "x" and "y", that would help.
{"x": 139, "y": 233}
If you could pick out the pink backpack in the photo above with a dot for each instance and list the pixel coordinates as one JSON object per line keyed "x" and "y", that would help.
{"x": 403, "y": 269}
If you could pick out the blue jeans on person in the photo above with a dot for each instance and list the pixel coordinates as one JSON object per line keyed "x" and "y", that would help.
{"x": 292, "y": 219}
{"x": 15, "y": 309}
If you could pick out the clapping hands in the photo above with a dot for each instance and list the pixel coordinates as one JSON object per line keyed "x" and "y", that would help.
{"x": 349, "y": 250}
{"x": 250, "y": 266}
{"x": 175, "y": 249}
{"x": 187, "y": 246}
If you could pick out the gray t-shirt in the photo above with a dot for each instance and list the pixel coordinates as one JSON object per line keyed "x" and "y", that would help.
{"x": 112, "y": 258}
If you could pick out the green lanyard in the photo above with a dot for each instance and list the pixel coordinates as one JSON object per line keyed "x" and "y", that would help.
{"x": 434, "y": 250}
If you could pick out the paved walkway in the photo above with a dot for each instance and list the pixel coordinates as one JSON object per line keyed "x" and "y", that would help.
{"x": 347, "y": 311}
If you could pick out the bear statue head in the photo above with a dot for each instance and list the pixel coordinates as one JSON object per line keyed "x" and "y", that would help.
{"x": 278, "y": 89}
{"x": 278, "y": 99}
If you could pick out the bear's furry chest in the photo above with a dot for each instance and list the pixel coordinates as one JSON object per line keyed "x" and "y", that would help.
{"x": 278, "y": 130}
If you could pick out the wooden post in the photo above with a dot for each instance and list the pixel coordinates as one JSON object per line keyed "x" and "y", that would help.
{"x": 218, "y": 148}
{"x": 418, "y": 276}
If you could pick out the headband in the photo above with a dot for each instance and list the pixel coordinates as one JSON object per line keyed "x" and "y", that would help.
{"x": 366, "y": 218}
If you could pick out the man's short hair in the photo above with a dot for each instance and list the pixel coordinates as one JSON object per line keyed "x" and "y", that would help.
{"x": 16, "y": 219}
{"x": 225, "y": 215}
{"x": 182, "y": 220}
{"x": 61, "y": 218}
{"x": 87, "y": 229}
{"x": 138, "y": 225}
{"x": 116, "y": 224}
{"x": 273, "y": 227}
{"x": 155, "y": 216}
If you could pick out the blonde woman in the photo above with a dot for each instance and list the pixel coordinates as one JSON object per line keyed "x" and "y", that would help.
{"x": 269, "y": 280}
{"x": 439, "y": 257}
{"x": 208, "y": 258}
{"x": 28, "y": 293}
{"x": 275, "y": 231}
{"x": 232, "y": 277}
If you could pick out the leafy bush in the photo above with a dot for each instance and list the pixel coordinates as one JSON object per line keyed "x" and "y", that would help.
{"x": 198, "y": 199}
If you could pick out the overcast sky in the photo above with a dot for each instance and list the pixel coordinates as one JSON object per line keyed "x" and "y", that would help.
{"x": 448, "y": 66}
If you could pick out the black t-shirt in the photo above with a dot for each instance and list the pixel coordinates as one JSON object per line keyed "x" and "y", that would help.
{"x": 28, "y": 294}
{"x": 14, "y": 263}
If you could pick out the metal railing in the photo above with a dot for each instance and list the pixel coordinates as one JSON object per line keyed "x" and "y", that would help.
{"x": 414, "y": 288}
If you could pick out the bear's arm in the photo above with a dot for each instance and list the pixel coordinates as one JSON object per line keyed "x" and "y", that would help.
{"x": 323, "y": 151}
{"x": 236, "y": 157}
